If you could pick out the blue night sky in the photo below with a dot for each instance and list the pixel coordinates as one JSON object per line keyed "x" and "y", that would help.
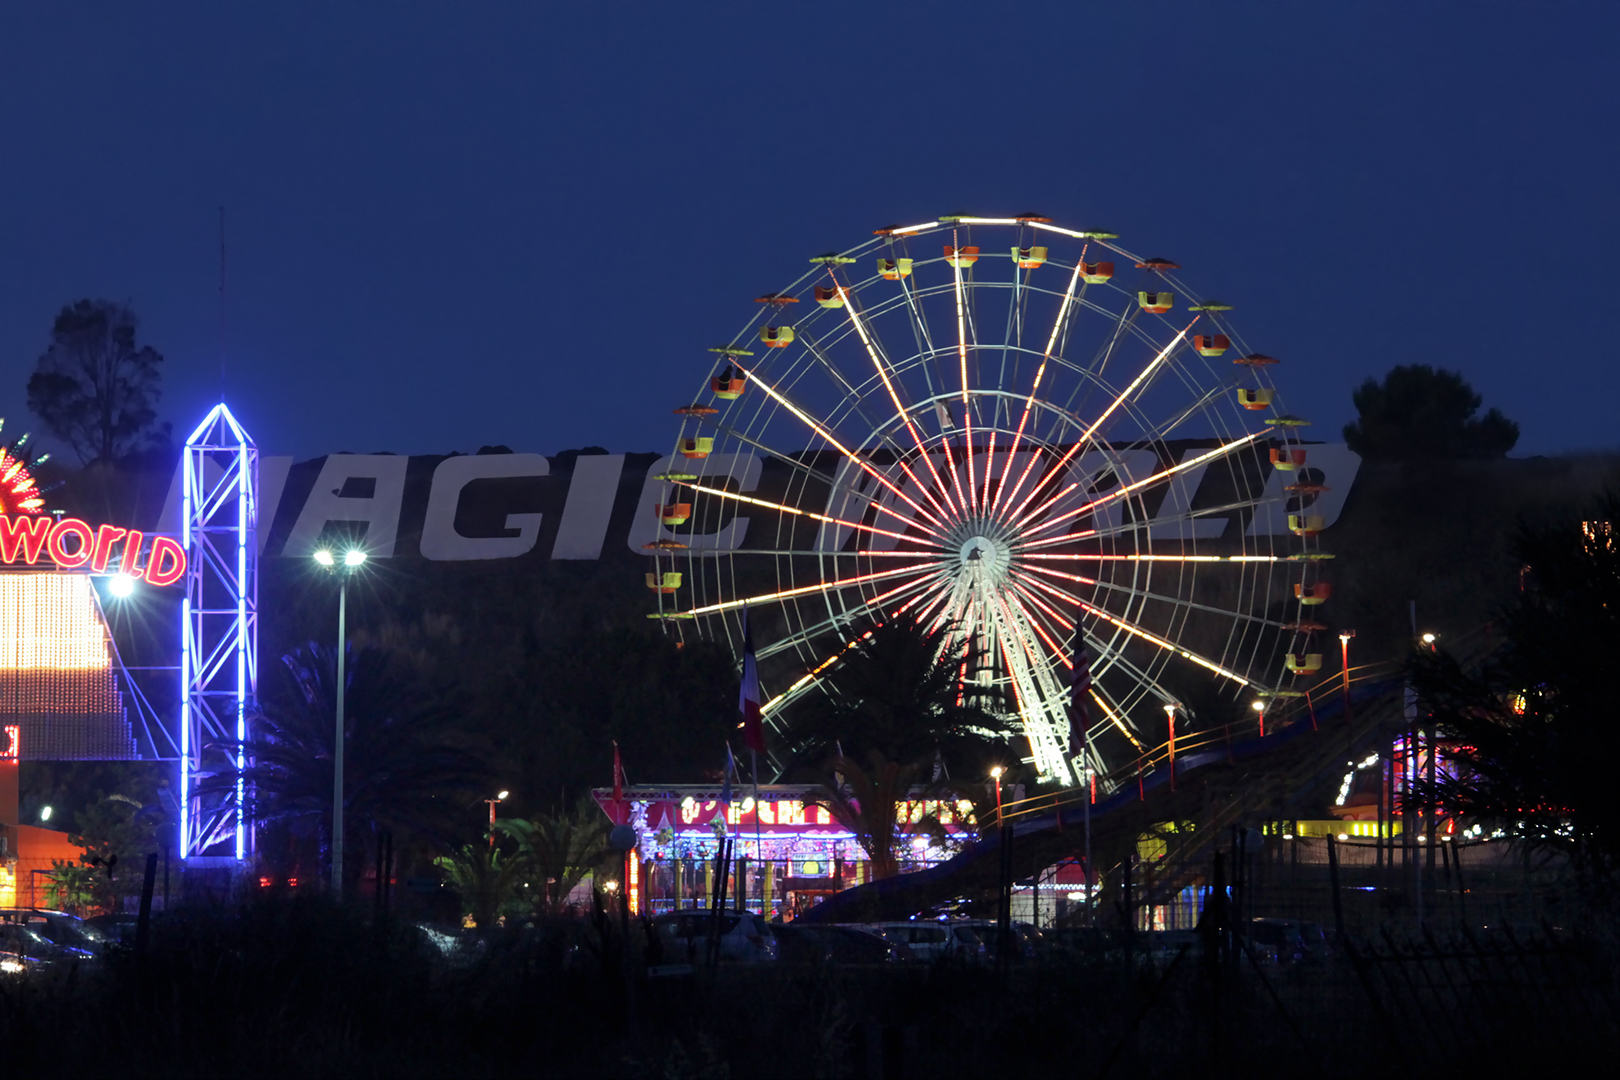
{"x": 522, "y": 223}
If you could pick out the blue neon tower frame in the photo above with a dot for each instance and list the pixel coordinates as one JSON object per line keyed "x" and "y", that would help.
{"x": 219, "y": 637}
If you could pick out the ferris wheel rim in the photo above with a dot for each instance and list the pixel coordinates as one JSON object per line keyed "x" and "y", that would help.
{"x": 921, "y": 575}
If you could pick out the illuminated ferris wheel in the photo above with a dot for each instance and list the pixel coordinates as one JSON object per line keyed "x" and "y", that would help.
{"x": 1023, "y": 433}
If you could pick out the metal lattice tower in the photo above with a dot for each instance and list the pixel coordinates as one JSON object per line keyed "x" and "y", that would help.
{"x": 219, "y": 636}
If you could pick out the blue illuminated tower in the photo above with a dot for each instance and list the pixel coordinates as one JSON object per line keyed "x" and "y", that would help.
{"x": 219, "y": 636}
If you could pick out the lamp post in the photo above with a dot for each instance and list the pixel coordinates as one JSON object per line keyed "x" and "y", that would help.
{"x": 996, "y": 773}
{"x": 352, "y": 561}
{"x": 1344, "y": 660}
{"x": 1170, "y": 715}
{"x": 497, "y": 799}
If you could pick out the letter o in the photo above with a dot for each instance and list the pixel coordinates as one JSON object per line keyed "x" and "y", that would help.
{"x": 60, "y": 532}
{"x": 165, "y": 548}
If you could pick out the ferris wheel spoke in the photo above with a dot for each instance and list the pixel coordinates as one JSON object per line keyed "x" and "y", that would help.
{"x": 968, "y": 506}
{"x": 751, "y": 500}
{"x": 900, "y": 410}
{"x": 803, "y": 590}
{"x": 1112, "y": 713}
{"x": 833, "y": 441}
{"x": 804, "y": 682}
{"x": 1084, "y": 439}
{"x": 838, "y": 620}
{"x": 1146, "y": 557}
{"x": 1035, "y": 386}
{"x": 1125, "y": 489}
{"x": 1149, "y": 636}
{"x": 1144, "y": 594}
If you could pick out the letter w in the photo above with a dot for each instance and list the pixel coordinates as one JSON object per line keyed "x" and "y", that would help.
{"x": 31, "y": 532}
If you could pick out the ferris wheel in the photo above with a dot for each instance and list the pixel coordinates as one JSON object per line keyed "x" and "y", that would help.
{"x": 1025, "y": 434}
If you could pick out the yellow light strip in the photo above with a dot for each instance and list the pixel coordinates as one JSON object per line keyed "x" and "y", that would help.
{"x": 894, "y": 396}
{"x": 722, "y": 493}
{"x": 1085, "y": 438}
{"x": 851, "y": 455}
{"x": 1040, "y": 373}
{"x": 1149, "y": 558}
{"x": 1126, "y": 489}
{"x": 1163, "y": 644}
{"x": 820, "y": 586}
{"x": 784, "y": 695}
{"x": 967, "y": 408}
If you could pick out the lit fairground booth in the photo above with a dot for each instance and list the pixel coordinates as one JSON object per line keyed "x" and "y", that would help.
{"x": 786, "y": 850}
{"x": 123, "y": 644}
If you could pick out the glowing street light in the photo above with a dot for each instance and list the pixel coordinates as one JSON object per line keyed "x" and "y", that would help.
{"x": 492, "y": 802}
{"x": 44, "y": 813}
{"x": 996, "y": 773}
{"x": 352, "y": 559}
{"x": 1170, "y": 716}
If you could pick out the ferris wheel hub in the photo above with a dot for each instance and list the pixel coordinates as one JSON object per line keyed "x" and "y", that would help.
{"x": 984, "y": 556}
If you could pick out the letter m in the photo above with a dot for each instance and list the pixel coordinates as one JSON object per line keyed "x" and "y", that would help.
{"x": 30, "y": 532}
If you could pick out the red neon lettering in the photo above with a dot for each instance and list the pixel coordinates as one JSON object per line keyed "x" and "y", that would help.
{"x": 132, "y": 554}
{"x": 165, "y": 548}
{"x": 106, "y": 537}
{"x": 29, "y": 532}
{"x": 55, "y": 545}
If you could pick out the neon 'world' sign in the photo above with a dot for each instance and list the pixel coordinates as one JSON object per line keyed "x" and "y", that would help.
{"x": 73, "y": 544}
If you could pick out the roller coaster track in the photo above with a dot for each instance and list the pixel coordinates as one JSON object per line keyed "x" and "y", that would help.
{"x": 1223, "y": 777}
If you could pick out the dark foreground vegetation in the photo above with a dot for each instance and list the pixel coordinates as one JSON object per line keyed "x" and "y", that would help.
{"x": 298, "y": 987}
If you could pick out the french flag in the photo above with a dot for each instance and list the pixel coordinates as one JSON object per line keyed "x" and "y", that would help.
{"x": 748, "y": 695}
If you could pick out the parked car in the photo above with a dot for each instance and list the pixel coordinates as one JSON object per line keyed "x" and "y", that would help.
{"x": 1026, "y": 939}
{"x": 117, "y": 929}
{"x": 817, "y": 945}
{"x": 23, "y": 947}
{"x": 1085, "y": 944}
{"x": 65, "y": 934}
{"x": 1289, "y": 941}
{"x": 933, "y": 939}
{"x": 684, "y": 936}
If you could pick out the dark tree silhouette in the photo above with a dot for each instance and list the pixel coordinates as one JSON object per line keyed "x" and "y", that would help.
{"x": 406, "y": 767}
{"x": 1420, "y": 412}
{"x": 94, "y": 388}
{"x": 1538, "y": 729}
{"x": 897, "y": 692}
{"x": 866, "y": 800}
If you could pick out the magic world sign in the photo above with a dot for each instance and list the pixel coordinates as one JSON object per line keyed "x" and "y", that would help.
{"x": 73, "y": 544}
{"x": 572, "y": 506}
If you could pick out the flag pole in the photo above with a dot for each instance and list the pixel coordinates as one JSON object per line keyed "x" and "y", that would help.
{"x": 1091, "y": 914}
{"x": 759, "y": 851}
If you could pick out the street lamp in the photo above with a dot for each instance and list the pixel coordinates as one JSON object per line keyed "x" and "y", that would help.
{"x": 499, "y": 798}
{"x": 1170, "y": 715}
{"x": 1344, "y": 661}
{"x": 1259, "y": 708}
{"x": 352, "y": 560}
{"x": 996, "y": 773}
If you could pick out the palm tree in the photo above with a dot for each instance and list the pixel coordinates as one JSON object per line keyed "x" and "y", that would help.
{"x": 486, "y": 879}
{"x": 406, "y": 769}
{"x": 897, "y": 692}
{"x": 867, "y": 800}
{"x": 559, "y": 849}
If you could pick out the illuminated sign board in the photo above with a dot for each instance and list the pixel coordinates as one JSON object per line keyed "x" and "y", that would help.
{"x": 73, "y": 544}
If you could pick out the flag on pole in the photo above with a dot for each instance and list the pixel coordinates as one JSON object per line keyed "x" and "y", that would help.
{"x": 748, "y": 697}
{"x": 1079, "y": 694}
{"x": 618, "y": 774}
{"x": 725, "y": 784}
